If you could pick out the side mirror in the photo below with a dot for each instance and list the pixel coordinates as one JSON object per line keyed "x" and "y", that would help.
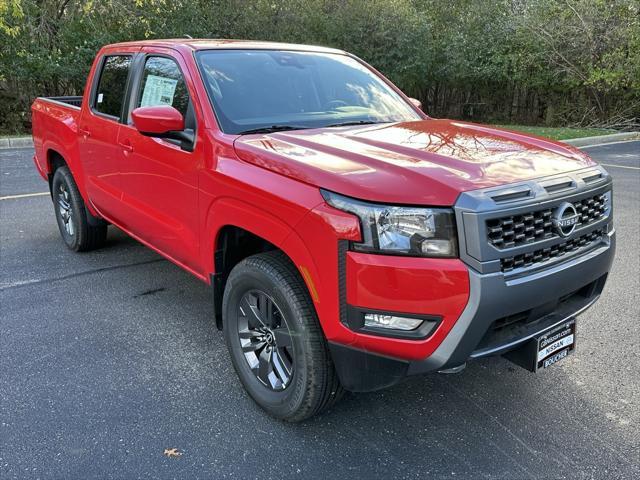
{"x": 416, "y": 103}
{"x": 163, "y": 121}
{"x": 157, "y": 121}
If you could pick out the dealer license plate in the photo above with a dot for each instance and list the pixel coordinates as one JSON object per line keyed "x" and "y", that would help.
{"x": 556, "y": 344}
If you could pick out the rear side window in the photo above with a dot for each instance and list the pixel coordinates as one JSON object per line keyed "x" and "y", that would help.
{"x": 112, "y": 85}
{"x": 163, "y": 84}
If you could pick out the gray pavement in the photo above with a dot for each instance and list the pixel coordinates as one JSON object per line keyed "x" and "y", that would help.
{"x": 108, "y": 358}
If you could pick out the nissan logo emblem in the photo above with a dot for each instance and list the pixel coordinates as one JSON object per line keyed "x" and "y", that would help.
{"x": 565, "y": 219}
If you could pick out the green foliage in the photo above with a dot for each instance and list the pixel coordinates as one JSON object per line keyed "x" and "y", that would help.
{"x": 559, "y": 133}
{"x": 525, "y": 61}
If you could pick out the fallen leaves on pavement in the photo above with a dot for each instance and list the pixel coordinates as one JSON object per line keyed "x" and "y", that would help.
{"x": 172, "y": 452}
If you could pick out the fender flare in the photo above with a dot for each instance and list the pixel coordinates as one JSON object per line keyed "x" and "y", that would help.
{"x": 72, "y": 159}
{"x": 227, "y": 211}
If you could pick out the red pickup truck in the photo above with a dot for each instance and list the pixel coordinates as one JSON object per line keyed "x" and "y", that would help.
{"x": 350, "y": 240}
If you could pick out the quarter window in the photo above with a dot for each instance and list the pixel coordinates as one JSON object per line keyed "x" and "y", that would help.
{"x": 112, "y": 85}
{"x": 163, "y": 84}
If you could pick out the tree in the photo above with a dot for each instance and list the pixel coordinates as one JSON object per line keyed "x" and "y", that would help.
{"x": 532, "y": 61}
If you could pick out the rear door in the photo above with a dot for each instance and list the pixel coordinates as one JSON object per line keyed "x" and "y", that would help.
{"x": 99, "y": 127}
{"x": 159, "y": 178}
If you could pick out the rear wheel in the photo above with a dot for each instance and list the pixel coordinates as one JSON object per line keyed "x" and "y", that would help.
{"x": 71, "y": 214}
{"x": 276, "y": 344}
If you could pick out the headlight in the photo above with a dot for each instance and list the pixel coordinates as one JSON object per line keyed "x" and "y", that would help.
{"x": 414, "y": 231}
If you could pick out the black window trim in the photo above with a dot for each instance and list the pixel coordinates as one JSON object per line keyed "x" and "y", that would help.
{"x": 96, "y": 83}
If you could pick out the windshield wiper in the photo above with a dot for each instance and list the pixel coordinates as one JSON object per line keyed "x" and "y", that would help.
{"x": 273, "y": 128}
{"x": 346, "y": 124}
{"x": 284, "y": 128}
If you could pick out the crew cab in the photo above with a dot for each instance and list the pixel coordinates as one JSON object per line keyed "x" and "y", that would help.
{"x": 350, "y": 240}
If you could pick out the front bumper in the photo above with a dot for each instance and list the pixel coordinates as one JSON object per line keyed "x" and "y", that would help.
{"x": 506, "y": 306}
{"x": 534, "y": 303}
{"x": 541, "y": 301}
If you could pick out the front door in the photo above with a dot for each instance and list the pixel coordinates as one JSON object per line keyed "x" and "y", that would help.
{"x": 159, "y": 178}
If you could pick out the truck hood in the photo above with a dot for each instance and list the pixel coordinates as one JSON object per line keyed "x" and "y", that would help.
{"x": 428, "y": 162}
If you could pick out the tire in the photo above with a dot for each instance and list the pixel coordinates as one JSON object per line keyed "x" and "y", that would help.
{"x": 72, "y": 216}
{"x": 298, "y": 347}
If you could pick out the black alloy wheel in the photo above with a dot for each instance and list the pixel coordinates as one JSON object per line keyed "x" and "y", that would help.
{"x": 65, "y": 209}
{"x": 265, "y": 339}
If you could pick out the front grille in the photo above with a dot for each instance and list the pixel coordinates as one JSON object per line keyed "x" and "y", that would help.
{"x": 516, "y": 230}
{"x": 537, "y": 256}
{"x": 591, "y": 209}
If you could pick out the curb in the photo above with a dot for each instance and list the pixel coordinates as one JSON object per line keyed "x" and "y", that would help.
{"x": 16, "y": 142}
{"x": 602, "y": 139}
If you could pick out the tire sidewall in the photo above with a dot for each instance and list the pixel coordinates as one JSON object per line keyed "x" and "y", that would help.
{"x": 247, "y": 277}
{"x": 63, "y": 175}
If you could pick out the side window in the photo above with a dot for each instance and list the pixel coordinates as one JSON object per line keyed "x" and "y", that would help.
{"x": 163, "y": 84}
{"x": 112, "y": 85}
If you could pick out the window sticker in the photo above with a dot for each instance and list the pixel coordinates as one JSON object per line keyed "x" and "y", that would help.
{"x": 100, "y": 97}
{"x": 158, "y": 91}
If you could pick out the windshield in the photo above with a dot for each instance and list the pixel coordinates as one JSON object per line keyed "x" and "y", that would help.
{"x": 271, "y": 90}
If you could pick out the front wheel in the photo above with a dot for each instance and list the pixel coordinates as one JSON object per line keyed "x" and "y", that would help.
{"x": 71, "y": 215}
{"x": 276, "y": 344}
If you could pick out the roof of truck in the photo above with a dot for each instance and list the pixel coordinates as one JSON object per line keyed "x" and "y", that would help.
{"x": 212, "y": 43}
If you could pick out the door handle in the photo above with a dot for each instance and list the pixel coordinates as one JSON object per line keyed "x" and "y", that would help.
{"x": 84, "y": 133}
{"x": 126, "y": 146}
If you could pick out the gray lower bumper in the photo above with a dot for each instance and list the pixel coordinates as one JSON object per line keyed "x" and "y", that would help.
{"x": 495, "y": 296}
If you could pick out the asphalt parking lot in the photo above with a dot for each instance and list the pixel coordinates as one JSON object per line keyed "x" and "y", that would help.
{"x": 110, "y": 357}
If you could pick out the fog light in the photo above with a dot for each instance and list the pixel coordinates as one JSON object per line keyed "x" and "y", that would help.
{"x": 391, "y": 321}
{"x": 437, "y": 247}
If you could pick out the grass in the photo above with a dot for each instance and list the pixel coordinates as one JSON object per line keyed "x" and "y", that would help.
{"x": 13, "y": 135}
{"x": 559, "y": 133}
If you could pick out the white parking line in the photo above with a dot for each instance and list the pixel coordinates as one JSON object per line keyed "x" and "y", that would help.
{"x": 24, "y": 195}
{"x": 619, "y": 166}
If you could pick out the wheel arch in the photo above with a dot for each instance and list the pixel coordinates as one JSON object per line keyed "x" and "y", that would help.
{"x": 54, "y": 160}
{"x": 241, "y": 230}
{"x": 69, "y": 155}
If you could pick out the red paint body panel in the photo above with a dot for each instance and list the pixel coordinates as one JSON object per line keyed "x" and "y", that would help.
{"x": 412, "y": 285}
{"x": 159, "y": 194}
{"x": 427, "y": 162}
{"x": 55, "y": 129}
{"x": 178, "y": 202}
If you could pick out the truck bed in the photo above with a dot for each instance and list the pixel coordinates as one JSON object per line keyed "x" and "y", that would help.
{"x": 55, "y": 128}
